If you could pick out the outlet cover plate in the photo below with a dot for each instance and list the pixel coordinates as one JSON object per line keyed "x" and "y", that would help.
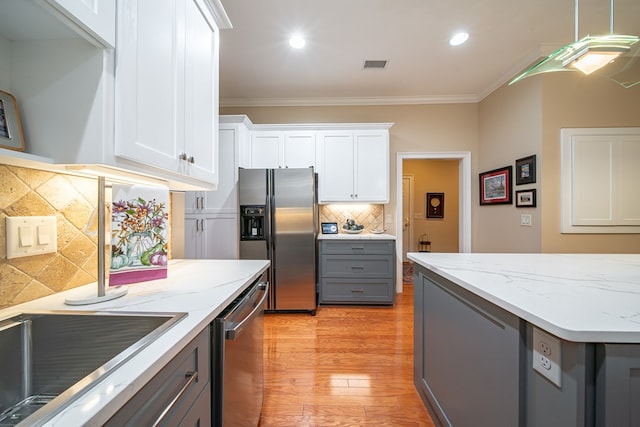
{"x": 547, "y": 356}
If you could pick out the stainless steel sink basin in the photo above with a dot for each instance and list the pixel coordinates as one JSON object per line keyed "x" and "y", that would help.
{"x": 48, "y": 359}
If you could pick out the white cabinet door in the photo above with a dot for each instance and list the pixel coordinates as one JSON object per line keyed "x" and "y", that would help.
{"x": 225, "y": 198}
{"x": 95, "y": 17}
{"x": 299, "y": 150}
{"x": 371, "y": 166}
{"x": 166, "y": 87}
{"x": 335, "y": 161}
{"x": 201, "y": 93}
{"x": 264, "y": 149}
{"x": 211, "y": 236}
{"x": 150, "y": 83}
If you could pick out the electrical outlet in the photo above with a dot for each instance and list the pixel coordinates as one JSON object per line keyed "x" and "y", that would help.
{"x": 547, "y": 356}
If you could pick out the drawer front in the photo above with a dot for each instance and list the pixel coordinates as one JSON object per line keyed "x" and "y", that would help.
{"x": 355, "y": 291}
{"x": 146, "y": 406}
{"x": 357, "y": 247}
{"x": 370, "y": 266}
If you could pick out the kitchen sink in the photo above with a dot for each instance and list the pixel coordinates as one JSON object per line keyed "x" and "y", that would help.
{"x": 50, "y": 358}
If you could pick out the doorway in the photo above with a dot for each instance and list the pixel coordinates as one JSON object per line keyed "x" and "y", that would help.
{"x": 464, "y": 195}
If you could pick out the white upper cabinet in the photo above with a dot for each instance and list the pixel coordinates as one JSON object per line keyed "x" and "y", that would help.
{"x": 166, "y": 87}
{"x": 93, "y": 18}
{"x": 272, "y": 149}
{"x": 600, "y": 176}
{"x": 353, "y": 166}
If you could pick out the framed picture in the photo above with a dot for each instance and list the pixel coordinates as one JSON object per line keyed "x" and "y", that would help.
{"x": 526, "y": 198}
{"x": 435, "y": 205}
{"x": 526, "y": 170}
{"x": 495, "y": 187}
{"x": 10, "y": 127}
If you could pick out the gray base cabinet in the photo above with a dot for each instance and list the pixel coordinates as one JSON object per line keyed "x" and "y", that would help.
{"x": 468, "y": 355}
{"x": 473, "y": 366}
{"x": 174, "y": 397}
{"x": 357, "y": 272}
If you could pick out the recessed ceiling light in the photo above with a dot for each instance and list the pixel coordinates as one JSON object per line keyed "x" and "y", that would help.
{"x": 297, "y": 41}
{"x": 458, "y": 39}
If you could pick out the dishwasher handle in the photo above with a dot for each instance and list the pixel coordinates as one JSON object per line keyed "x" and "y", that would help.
{"x": 236, "y": 331}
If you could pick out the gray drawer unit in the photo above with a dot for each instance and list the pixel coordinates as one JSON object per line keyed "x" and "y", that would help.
{"x": 357, "y": 272}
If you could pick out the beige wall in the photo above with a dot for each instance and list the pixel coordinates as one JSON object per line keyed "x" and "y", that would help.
{"x": 510, "y": 121}
{"x": 435, "y": 176}
{"x": 417, "y": 128}
{"x": 572, "y": 100}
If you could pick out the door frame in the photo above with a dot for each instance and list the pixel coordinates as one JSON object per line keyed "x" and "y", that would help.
{"x": 410, "y": 178}
{"x": 464, "y": 195}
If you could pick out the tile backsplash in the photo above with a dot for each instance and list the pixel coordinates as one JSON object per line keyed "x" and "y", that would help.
{"x": 371, "y": 216}
{"x": 32, "y": 192}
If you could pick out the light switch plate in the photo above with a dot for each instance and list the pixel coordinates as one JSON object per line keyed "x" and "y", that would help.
{"x": 31, "y": 235}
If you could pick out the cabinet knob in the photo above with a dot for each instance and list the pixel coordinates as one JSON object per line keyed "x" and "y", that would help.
{"x": 182, "y": 156}
{"x": 191, "y": 160}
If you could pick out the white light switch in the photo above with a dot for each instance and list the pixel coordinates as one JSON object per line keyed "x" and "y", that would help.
{"x": 525, "y": 220}
{"x": 30, "y": 235}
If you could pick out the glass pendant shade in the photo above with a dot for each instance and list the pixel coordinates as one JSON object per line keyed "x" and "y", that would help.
{"x": 613, "y": 56}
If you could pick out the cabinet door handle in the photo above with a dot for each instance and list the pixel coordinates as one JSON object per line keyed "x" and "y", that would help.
{"x": 192, "y": 377}
{"x": 202, "y": 225}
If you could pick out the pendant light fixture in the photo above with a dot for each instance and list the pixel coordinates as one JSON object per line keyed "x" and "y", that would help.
{"x": 594, "y": 54}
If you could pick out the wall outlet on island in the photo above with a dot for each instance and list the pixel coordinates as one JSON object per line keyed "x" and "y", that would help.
{"x": 547, "y": 356}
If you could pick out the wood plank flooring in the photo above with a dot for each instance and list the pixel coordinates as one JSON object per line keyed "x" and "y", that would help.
{"x": 347, "y": 366}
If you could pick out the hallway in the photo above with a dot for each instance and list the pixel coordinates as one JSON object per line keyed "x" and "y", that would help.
{"x": 347, "y": 366}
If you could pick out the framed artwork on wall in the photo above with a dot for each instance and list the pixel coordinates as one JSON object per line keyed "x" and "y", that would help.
{"x": 495, "y": 186}
{"x": 10, "y": 126}
{"x": 526, "y": 198}
{"x": 435, "y": 205}
{"x": 526, "y": 170}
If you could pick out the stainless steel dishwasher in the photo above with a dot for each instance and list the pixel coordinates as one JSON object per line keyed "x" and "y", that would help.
{"x": 238, "y": 374}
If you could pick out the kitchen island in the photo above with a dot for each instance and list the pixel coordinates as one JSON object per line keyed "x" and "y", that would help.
{"x": 528, "y": 339}
{"x": 199, "y": 288}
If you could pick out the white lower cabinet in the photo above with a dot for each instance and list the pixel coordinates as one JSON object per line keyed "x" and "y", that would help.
{"x": 211, "y": 236}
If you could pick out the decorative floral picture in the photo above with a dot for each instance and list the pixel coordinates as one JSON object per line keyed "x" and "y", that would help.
{"x": 139, "y": 231}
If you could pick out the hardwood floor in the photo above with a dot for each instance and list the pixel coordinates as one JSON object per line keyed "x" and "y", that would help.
{"x": 347, "y": 366}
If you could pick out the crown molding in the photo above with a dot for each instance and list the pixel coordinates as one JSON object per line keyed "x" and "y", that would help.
{"x": 309, "y": 102}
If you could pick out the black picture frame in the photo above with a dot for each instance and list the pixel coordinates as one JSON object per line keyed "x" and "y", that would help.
{"x": 526, "y": 170}
{"x": 526, "y": 198}
{"x": 10, "y": 126}
{"x": 435, "y": 205}
{"x": 496, "y": 186}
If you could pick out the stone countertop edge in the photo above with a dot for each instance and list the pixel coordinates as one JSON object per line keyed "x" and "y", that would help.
{"x": 577, "y": 297}
{"x": 201, "y": 288}
{"x": 363, "y": 235}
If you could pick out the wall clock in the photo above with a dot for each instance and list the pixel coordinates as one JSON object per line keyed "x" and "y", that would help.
{"x": 435, "y": 205}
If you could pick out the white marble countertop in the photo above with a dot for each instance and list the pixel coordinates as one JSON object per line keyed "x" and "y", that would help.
{"x": 201, "y": 288}
{"x": 577, "y": 297}
{"x": 363, "y": 235}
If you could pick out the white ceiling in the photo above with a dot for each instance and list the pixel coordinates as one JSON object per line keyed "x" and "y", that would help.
{"x": 257, "y": 66}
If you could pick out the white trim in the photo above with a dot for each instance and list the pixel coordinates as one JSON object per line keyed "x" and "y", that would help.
{"x": 464, "y": 195}
{"x": 411, "y": 178}
{"x": 310, "y": 102}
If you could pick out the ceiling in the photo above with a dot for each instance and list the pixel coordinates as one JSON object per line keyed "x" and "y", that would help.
{"x": 258, "y": 67}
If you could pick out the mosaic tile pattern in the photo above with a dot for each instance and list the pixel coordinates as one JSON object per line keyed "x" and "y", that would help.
{"x": 72, "y": 200}
{"x": 371, "y": 216}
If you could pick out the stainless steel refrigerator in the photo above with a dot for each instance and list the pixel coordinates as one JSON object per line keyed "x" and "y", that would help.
{"x": 278, "y": 217}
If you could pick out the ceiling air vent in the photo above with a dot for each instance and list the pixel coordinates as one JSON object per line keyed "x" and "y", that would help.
{"x": 371, "y": 64}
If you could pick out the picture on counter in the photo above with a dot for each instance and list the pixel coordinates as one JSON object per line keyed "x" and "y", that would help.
{"x": 496, "y": 187}
{"x": 139, "y": 234}
{"x": 435, "y": 205}
{"x": 526, "y": 199}
{"x": 526, "y": 170}
{"x": 10, "y": 127}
